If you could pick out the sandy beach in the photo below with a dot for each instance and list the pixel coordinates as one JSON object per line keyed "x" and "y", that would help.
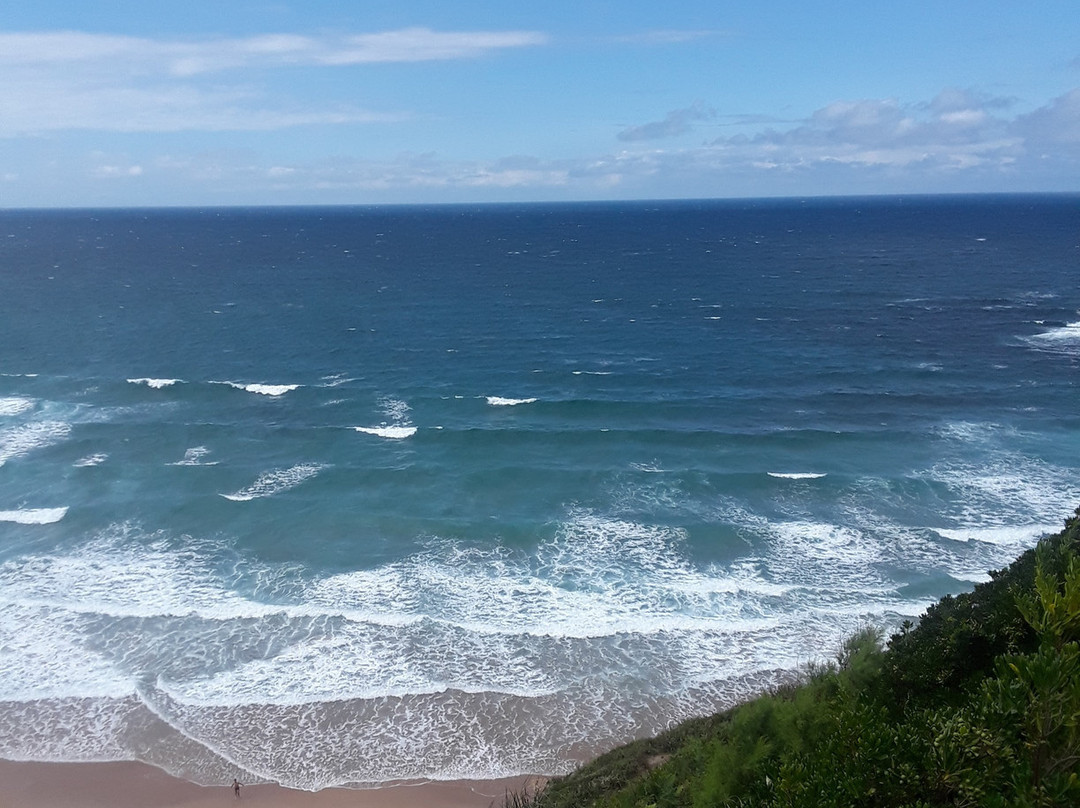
{"x": 136, "y": 785}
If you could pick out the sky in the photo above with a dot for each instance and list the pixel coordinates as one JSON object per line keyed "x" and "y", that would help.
{"x": 255, "y": 102}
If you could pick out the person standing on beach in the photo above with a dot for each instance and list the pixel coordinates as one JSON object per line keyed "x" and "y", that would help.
{"x": 236, "y": 788}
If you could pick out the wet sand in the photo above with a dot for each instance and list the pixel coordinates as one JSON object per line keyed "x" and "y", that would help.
{"x": 136, "y": 785}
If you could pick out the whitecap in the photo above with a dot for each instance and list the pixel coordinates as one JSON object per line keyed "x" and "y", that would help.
{"x": 90, "y": 460}
{"x": 34, "y": 516}
{"x": 392, "y": 432}
{"x": 276, "y": 481}
{"x": 194, "y": 457}
{"x": 796, "y": 475}
{"x": 156, "y": 384}
{"x": 1063, "y": 339}
{"x": 397, "y": 424}
{"x": 499, "y": 401}
{"x": 263, "y": 389}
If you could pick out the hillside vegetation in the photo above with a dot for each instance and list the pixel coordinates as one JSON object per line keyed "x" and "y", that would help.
{"x": 977, "y": 705}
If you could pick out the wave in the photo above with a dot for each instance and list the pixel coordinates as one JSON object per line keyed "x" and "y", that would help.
{"x": 796, "y": 475}
{"x": 272, "y": 390}
{"x": 34, "y": 516}
{"x": 465, "y": 651}
{"x": 156, "y": 384}
{"x": 1063, "y": 339}
{"x": 499, "y": 401}
{"x": 275, "y": 482}
{"x": 392, "y": 432}
{"x": 397, "y": 425}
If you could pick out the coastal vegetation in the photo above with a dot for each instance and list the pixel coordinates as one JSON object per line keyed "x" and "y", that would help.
{"x": 976, "y": 705}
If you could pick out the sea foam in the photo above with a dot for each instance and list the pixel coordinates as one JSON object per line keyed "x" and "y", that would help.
{"x": 499, "y": 401}
{"x": 276, "y": 481}
{"x": 1063, "y": 339}
{"x": 272, "y": 390}
{"x": 34, "y": 516}
{"x": 156, "y": 384}
{"x": 392, "y": 432}
{"x": 397, "y": 425}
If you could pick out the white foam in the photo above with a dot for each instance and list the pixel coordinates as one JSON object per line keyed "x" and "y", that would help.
{"x": 276, "y": 481}
{"x": 273, "y": 390}
{"x": 90, "y": 460}
{"x": 1005, "y": 489}
{"x": 460, "y": 660}
{"x": 194, "y": 457}
{"x": 156, "y": 384}
{"x": 392, "y": 432}
{"x": 395, "y": 409}
{"x": 122, "y": 573}
{"x": 397, "y": 425}
{"x": 499, "y": 401}
{"x": 1064, "y": 339}
{"x": 796, "y": 475}
{"x": 34, "y": 516}
{"x": 43, "y": 654}
{"x": 22, "y": 440}
{"x": 15, "y": 405}
{"x": 1014, "y": 536}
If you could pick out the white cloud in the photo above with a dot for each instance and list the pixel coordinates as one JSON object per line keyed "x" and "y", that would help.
{"x": 676, "y": 122}
{"x": 121, "y": 54}
{"x": 73, "y": 80}
{"x": 957, "y": 141}
{"x": 1055, "y": 125}
{"x": 956, "y": 130}
{"x": 42, "y": 105}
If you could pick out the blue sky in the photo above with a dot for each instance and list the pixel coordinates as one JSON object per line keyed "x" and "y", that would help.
{"x": 257, "y": 102}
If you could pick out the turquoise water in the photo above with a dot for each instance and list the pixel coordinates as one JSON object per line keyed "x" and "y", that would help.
{"x": 351, "y": 495}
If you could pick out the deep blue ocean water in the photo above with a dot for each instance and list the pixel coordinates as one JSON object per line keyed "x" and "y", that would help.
{"x": 350, "y": 495}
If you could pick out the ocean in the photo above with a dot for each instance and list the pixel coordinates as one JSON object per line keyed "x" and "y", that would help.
{"x": 330, "y": 496}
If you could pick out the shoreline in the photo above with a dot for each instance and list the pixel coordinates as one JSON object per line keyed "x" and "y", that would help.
{"x": 130, "y": 784}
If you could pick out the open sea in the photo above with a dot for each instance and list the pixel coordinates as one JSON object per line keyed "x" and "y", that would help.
{"x": 336, "y": 496}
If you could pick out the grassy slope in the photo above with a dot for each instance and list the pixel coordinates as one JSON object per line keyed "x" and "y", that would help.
{"x": 941, "y": 716}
